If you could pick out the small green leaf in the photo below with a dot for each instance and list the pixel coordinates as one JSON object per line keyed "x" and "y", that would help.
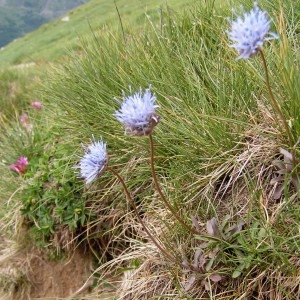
{"x": 238, "y": 271}
{"x": 209, "y": 264}
{"x": 262, "y": 233}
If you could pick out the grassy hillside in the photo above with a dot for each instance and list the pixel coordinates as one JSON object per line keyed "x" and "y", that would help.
{"x": 54, "y": 39}
{"x": 17, "y": 17}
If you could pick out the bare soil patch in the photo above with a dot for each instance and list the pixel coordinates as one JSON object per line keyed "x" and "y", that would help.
{"x": 59, "y": 279}
{"x": 27, "y": 273}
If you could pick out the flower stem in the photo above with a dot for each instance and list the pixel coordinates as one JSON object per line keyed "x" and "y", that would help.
{"x": 170, "y": 207}
{"x": 274, "y": 102}
{"x": 129, "y": 198}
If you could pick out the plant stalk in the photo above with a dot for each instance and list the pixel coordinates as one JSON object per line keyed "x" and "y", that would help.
{"x": 170, "y": 207}
{"x": 274, "y": 102}
{"x": 129, "y": 198}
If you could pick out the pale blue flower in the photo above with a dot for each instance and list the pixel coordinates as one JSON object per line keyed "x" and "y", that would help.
{"x": 137, "y": 112}
{"x": 248, "y": 32}
{"x": 94, "y": 160}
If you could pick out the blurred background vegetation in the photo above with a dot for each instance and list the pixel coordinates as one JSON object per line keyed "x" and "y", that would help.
{"x": 18, "y": 17}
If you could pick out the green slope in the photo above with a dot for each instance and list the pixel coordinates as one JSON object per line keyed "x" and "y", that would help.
{"x": 18, "y": 17}
{"x": 52, "y": 40}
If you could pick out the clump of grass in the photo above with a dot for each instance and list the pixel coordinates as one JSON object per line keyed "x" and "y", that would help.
{"x": 49, "y": 199}
{"x": 18, "y": 90}
{"x": 36, "y": 190}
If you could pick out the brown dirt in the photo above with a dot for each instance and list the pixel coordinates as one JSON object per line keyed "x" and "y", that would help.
{"x": 59, "y": 279}
{"x": 27, "y": 273}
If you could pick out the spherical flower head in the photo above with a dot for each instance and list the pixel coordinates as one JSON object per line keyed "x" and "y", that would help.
{"x": 24, "y": 119}
{"x": 248, "y": 32}
{"x": 137, "y": 112}
{"x": 21, "y": 165}
{"x": 37, "y": 105}
{"x": 94, "y": 161}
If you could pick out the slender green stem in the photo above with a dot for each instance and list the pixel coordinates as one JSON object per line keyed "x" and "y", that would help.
{"x": 170, "y": 207}
{"x": 129, "y": 198}
{"x": 274, "y": 102}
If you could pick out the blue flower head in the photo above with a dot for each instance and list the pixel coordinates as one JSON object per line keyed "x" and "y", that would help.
{"x": 94, "y": 160}
{"x": 137, "y": 112}
{"x": 249, "y": 32}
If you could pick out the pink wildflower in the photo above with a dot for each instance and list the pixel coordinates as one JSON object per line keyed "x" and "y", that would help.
{"x": 25, "y": 121}
{"x": 24, "y": 118}
{"x": 21, "y": 165}
{"x": 37, "y": 105}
